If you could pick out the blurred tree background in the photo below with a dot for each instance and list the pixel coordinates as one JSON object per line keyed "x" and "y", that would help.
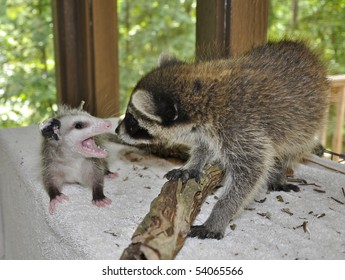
{"x": 27, "y": 77}
{"x": 146, "y": 28}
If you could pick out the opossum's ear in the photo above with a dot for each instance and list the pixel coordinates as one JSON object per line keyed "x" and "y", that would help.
{"x": 51, "y": 129}
{"x": 167, "y": 59}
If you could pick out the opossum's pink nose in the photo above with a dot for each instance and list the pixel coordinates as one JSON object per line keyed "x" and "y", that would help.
{"x": 108, "y": 124}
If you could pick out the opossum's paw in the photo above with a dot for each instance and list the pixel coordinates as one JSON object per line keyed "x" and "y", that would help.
{"x": 102, "y": 202}
{"x": 110, "y": 175}
{"x": 284, "y": 188}
{"x": 58, "y": 199}
{"x": 202, "y": 232}
{"x": 183, "y": 174}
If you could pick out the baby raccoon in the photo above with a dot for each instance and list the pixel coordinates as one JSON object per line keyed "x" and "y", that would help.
{"x": 257, "y": 115}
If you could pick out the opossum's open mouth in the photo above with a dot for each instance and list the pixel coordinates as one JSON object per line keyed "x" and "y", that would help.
{"x": 90, "y": 148}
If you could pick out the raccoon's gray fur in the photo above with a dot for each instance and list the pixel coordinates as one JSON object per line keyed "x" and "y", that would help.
{"x": 257, "y": 115}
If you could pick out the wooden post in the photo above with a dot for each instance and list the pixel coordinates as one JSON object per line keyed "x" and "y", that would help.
{"x": 230, "y": 27}
{"x": 210, "y": 29}
{"x": 337, "y": 142}
{"x": 85, "y": 38}
{"x": 247, "y": 23}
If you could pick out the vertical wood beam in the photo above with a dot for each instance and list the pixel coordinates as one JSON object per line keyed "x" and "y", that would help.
{"x": 230, "y": 27}
{"x": 85, "y": 38}
{"x": 210, "y": 29}
{"x": 106, "y": 74}
{"x": 248, "y": 23}
{"x": 337, "y": 141}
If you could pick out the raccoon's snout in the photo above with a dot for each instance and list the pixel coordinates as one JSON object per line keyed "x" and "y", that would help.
{"x": 133, "y": 129}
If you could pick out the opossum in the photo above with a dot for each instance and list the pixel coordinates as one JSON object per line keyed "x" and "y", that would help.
{"x": 71, "y": 153}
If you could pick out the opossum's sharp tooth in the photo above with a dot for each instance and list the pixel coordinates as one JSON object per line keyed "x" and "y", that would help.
{"x": 92, "y": 150}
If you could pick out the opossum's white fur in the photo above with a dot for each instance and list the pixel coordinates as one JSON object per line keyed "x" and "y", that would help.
{"x": 71, "y": 154}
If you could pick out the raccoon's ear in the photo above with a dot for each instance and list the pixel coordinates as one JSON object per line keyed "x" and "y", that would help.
{"x": 167, "y": 59}
{"x": 142, "y": 100}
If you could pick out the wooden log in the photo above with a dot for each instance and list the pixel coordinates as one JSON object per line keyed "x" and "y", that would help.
{"x": 164, "y": 229}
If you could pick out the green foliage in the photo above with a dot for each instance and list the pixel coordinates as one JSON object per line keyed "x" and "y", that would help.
{"x": 321, "y": 22}
{"x": 27, "y": 79}
{"x": 148, "y": 28}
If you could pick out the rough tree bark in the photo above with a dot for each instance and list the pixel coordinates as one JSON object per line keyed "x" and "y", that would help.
{"x": 164, "y": 229}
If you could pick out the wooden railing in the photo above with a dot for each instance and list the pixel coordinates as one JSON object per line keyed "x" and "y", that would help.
{"x": 338, "y": 100}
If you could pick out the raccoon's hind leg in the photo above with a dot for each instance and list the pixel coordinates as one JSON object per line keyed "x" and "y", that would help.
{"x": 278, "y": 178}
{"x": 244, "y": 176}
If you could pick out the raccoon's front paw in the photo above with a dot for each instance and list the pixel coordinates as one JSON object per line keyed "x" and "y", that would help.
{"x": 183, "y": 174}
{"x": 202, "y": 232}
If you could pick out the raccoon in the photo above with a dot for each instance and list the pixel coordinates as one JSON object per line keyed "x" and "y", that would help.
{"x": 257, "y": 115}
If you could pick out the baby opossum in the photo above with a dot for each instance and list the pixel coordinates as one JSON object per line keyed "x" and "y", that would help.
{"x": 257, "y": 115}
{"x": 71, "y": 154}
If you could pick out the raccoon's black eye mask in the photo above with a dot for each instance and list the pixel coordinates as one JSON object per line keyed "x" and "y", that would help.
{"x": 133, "y": 128}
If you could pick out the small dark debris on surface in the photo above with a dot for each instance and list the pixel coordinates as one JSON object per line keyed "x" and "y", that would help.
{"x": 112, "y": 233}
{"x": 310, "y": 184}
{"x": 317, "y": 215}
{"x": 343, "y": 191}
{"x": 261, "y": 201}
{"x": 132, "y": 157}
{"x": 233, "y": 226}
{"x": 336, "y": 200}
{"x": 297, "y": 180}
{"x": 287, "y": 211}
{"x": 135, "y": 168}
{"x": 304, "y": 226}
{"x": 147, "y": 187}
{"x": 280, "y": 198}
{"x": 249, "y": 209}
{"x": 319, "y": 191}
{"x": 266, "y": 215}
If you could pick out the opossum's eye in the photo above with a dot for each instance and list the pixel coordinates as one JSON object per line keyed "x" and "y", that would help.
{"x": 79, "y": 125}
